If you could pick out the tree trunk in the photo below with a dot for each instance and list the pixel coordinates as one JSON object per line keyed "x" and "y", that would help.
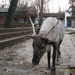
{"x": 38, "y": 11}
{"x": 10, "y": 15}
{"x": 41, "y": 14}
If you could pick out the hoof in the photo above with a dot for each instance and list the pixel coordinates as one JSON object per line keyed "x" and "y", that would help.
{"x": 59, "y": 56}
{"x": 57, "y": 63}
{"x": 48, "y": 72}
{"x": 53, "y": 70}
{"x": 53, "y": 73}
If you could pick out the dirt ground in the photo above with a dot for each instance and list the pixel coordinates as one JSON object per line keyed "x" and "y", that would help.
{"x": 16, "y": 60}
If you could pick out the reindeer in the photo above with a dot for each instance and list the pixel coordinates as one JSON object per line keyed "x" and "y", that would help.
{"x": 51, "y": 34}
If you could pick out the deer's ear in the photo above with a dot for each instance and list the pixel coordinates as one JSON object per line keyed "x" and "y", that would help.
{"x": 47, "y": 41}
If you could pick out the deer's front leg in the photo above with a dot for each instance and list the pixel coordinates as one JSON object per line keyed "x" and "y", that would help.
{"x": 48, "y": 57}
{"x": 54, "y": 57}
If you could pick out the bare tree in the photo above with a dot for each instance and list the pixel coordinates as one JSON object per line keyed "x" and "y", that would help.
{"x": 10, "y": 14}
{"x": 41, "y": 13}
{"x": 46, "y": 6}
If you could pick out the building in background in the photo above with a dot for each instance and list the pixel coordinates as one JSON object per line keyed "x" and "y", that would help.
{"x": 64, "y": 17}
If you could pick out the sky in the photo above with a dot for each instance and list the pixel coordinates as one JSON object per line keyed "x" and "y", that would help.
{"x": 4, "y": 2}
{"x": 56, "y": 4}
{"x": 62, "y": 3}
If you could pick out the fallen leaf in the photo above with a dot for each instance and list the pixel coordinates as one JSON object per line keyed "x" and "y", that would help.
{"x": 69, "y": 57}
{"x": 16, "y": 63}
{"x": 1, "y": 62}
{"x": 39, "y": 73}
{"x": 5, "y": 54}
{"x": 36, "y": 71}
{"x": 24, "y": 63}
{"x": 7, "y": 70}
{"x": 37, "y": 66}
{"x": 44, "y": 70}
{"x": 18, "y": 57}
{"x": 12, "y": 47}
{"x": 7, "y": 47}
{"x": 32, "y": 65}
{"x": 21, "y": 62}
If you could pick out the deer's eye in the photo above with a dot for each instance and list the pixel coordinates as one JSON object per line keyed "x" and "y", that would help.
{"x": 43, "y": 46}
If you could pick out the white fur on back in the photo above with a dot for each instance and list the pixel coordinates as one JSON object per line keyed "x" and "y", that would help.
{"x": 57, "y": 33}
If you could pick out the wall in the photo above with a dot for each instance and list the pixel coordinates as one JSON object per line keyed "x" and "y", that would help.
{"x": 67, "y": 15}
{"x": 73, "y": 23}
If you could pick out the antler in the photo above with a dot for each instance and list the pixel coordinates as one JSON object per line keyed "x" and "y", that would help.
{"x": 51, "y": 29}
{"x": 32, "y": 26}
